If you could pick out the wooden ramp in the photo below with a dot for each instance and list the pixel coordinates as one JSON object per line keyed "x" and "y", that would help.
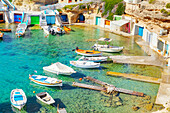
{"x": 143, "y": 60}
{"x": 135, "y": 77}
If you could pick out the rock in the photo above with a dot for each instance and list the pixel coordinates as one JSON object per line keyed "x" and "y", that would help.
{"x": 107, "y": 105}
{"x": 148, "y": 106}
{"x": 116, "y": 99}
{"x": 135, "y": 108}
{"x": 147, "y": 97}
{"x": 119, "y": 103}
{"x": 168, "y": 109}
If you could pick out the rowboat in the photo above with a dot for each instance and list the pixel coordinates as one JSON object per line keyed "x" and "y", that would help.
{"x": 105, "y": 39}
{"x": 18, "y": 98}
{"x": 67, "y": 29}
{"x": 5, "y": 30}
{"x": 45, "y": 98}
{"x": 56, "y": 30}
{"x": 45, "y": 81}
{"x": 85, "y": 64}
{"x": 20, "y": 32}
{"x": 59, "y": 68}
{"x": 93, "y": 59}
{"x": 46, "y": 30}
{"x": 107, "y": 48}
{"x": 88, "y": 52}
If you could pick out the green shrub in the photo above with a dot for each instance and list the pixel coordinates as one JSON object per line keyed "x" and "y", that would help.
{"x": 98, "y": 10}
{"x": 120, "y": 9}
{"x": 168, "y": 5}
{"x": 59, "y": 10}
{"x": 110, "y": 17}
{"x": 163, "y": 10}
{"x": 169, "y": 13}
{"x": 151, "y": 1}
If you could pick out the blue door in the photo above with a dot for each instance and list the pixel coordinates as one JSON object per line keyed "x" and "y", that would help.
{"x": 50, "y": 19}
{"x": 17, "y": 18}
{"x": 64, "y": 18}
{"x": 82, "y": 18}
{"x": 166, "y": 48}
{"x": 98, "y": 19}
{"x": 140, "y": 31}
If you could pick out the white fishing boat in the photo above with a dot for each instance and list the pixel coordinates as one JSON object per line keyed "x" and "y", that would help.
{"x": 45, "y": 98}
{"x": 94, "y": 59}
{"x": 85, "y": 64}
{"x": 105, "y": 39}
{"x": 18, "y": 98}
{"x": 59, "y": 68}
{"x": 45, "y": 81}
{"x": 107, "y": 48}
{"x": 56, "y": 30}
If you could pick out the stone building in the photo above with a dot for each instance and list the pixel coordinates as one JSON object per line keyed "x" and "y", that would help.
{"x": 69, "y": 1}
{"x": 46, "y": 1}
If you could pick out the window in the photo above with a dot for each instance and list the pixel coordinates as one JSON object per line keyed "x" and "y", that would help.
{"x": 160, "y": 45}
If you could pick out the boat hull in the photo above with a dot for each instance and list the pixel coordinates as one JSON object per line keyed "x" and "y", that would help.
{"x": 96, "y": 65}
{"x": 85, "y": 54}
{"x": 45, "y": 84}
{"x": 56, "y": 72}
{"x": 109, "y": 50}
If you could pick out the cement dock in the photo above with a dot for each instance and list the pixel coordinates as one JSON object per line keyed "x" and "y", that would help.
{"x": 135, "y": 77}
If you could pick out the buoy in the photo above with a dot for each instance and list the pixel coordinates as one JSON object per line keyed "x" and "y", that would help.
{"x": 80, "y": 79}
{"x": 45, "y": 36}
{"x": 33, "y": 91}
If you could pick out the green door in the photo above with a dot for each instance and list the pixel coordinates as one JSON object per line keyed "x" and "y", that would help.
{"x": 118, "y": 18}
{"x": 98, "y": 19}
{"x": 35, "y": 20}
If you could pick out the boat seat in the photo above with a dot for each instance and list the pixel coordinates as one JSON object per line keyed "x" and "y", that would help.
{"x": 46, "y": 99}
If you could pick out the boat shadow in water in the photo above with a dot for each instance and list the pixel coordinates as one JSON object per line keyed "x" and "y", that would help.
{"x": 58, "y": 102}
{"x": 77, "y": 75}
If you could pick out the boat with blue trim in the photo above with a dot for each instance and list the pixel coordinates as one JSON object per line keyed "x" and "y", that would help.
{"x": 45, "y": 81}
{"x": 18, "y": 98}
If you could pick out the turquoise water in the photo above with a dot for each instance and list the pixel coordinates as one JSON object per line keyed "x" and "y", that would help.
{"x": 21, "y": 56}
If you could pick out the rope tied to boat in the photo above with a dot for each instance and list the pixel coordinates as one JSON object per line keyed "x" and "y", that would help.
{"x": 110, "y": 89}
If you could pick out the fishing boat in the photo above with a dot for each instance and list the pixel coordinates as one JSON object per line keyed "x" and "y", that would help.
{"x": 45, "y": 98}
{"x": 107, "y": 48}
{"x": 44, "y": 80}
{"x": 18, "y": 98}
{"x": 1, "y": 34}
{"x": 88, "y": 52}
{"x": 61, "y": 110}
{"x": 5, "y": 30}
{"x": 56, "y": 30}
{"x": 85, "y": 64}
{"x": 59, "y": 68}
{"x": 67, "y": 29}
{"x": 20, "y": 31}
{"x": 105, "y": 39}
{"x": 93, "y": 59}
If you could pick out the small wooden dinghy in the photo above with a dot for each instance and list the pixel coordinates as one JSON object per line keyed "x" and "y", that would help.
{"x": 105, "y": 39}
{"x": 93, "y": 59}
{"x": 59, "y": 68}
{"x": 5, "y": 30}
{"x": 85, "y": 64}
{"x": 45, "y": 98}
{"x": 18, "y": 98}
{"x": 107, "y": 48}
{"x": 61, "y": 110}
{"x": 45, "y": 81}
{"x": 88, "y": 52}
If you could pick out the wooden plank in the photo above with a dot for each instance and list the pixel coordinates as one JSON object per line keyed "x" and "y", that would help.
{"x": 98, "y": 88}
{"x": 135, "y": 77}
{"x": 97, "y": 81}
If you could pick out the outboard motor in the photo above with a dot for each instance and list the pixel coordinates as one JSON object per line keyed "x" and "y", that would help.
{"x": 77, "y": 48}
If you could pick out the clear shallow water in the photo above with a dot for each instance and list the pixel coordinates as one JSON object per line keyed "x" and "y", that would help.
{"x": 21, "y": 56}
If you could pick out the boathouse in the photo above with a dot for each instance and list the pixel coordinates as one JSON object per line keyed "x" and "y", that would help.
{"x": 121, "y": 25}
{"x": 69, "y": 1}
{"x": 117, "y": 17}
{"x": 107, "y": 24}
{"x": 50, "y": 16}
{"x": 34, "y": 18}
{"x": 18, "y": 17}
{"x": 81, "y": 18}
{"x": 98, "y": 20}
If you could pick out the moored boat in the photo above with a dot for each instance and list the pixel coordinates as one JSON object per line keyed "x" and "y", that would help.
{"x": 45, "y": 81}
{"x": 1, "y": 34}
{"x": 45, "y": 98}
{"x": 105, "y": 39}
{"x": 59, "y": 68}
{"x": 85, "y": 64}
{"x": 94, "y": 59}
{"x": 20, "y": 32}
{"x": 46, "y": 29}
{"x": 107, "y": 48}
{"x": 56, "y": 30}
{"x": 5, "y": 30}
{"x": 88, "y": 52}
{"x": 18, "y": 98}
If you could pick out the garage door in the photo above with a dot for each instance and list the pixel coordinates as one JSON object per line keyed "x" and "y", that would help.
{"x": 35, "y": 20}
{"x": 140, "y": 31}
{"x": 98, "y": 19}
{"x": 17, "y": 18}
{"x": 50, "y": 19}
